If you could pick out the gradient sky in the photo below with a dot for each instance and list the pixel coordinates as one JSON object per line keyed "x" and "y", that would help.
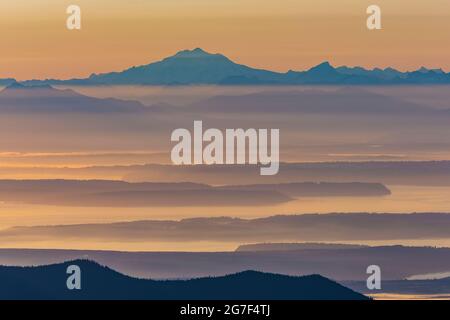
{"x": 272, "y": 34}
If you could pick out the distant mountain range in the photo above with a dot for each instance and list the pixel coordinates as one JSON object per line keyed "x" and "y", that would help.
{"x": 189, "y": 67}
{"x": 99, "y": 282}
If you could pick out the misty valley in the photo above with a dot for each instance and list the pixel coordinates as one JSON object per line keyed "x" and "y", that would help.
{"x": 290, "y": 180}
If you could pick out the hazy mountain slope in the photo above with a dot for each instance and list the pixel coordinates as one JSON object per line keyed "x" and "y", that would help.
{"x": 345, "y": 101}
{"x": 44, "y": 98}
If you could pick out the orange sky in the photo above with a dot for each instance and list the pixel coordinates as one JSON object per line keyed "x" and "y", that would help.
{"x": 272, "y": 34}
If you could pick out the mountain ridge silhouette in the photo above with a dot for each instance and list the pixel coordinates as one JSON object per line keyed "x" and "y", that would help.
{"x": 101, "y": 282}
{"x": 196, "y": 67}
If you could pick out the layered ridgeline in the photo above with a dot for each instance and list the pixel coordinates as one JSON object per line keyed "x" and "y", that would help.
{"x": 99, "y": 282}
{"x": 200, "y": 67}
{"x": 110, "y": 193}
{"x": 354, "y": 227}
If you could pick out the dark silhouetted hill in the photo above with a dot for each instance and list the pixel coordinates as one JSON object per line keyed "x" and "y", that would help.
{"x": 99, "y": 282}
{"x": 396, "y": 262}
